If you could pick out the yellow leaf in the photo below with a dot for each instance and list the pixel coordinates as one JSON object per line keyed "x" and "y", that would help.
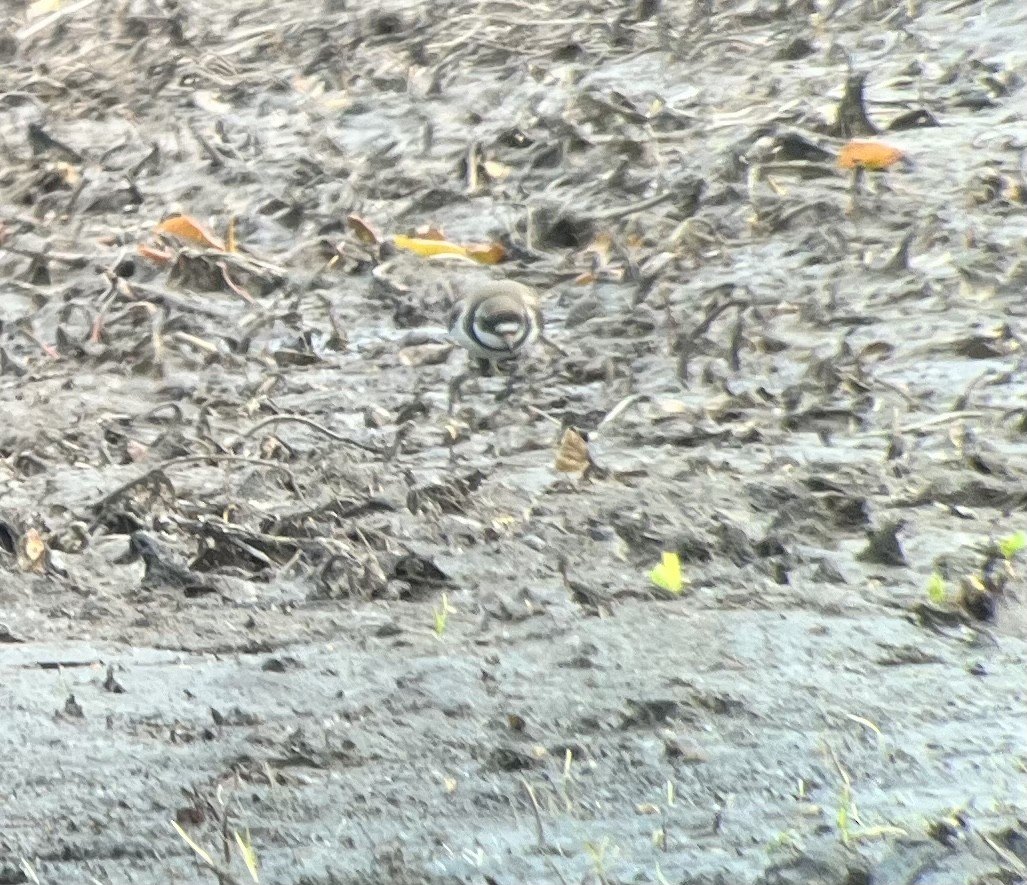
{"x": 667, "y": 575}
{"x": 230, "y": 242}
{"x": 182, "y": 227}
{"x": 483, "y": 253}
{"x": 249, "y": 856}
{"x": 868, "y": 154}
{"x": 427, "y": 248}
{"x": 189, "y": 841}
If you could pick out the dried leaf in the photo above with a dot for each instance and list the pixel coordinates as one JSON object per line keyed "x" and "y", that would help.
{"x": 496, "y": 171}
{"x": 230, "y": 242}
{"x": 32, "y": 552}
{"x": 67, "y": 173}
{"x": 193, "y": 845}
{"x": 601, "y": 246}
{"x": 183, "y": 227}
{"x": 486, "y": 253}
{"x": 249, "y": 855}
{"x": 876, "y": 351}
{"x": 363, "y": 230}
{"x": 572, "y": 456}
{"x": 871, "y": 155}
{"x": 429, "y": 232}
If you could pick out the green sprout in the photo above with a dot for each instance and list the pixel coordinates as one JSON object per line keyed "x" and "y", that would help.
{"x": 1012, "y": 544}
{"x": 440, "y": 616}
{"x": 936, "y": 591}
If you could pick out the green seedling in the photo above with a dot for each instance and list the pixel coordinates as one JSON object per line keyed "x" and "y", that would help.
{"x": 440, "y": 616}
{"x": 245, "y": 844}
{"x": 1012, "y": 544}
{"x": 598, "y": 852}
{"x": 845, "y": 813}
{"x": 936, "y": 591}
{"x": 786, "y": 840}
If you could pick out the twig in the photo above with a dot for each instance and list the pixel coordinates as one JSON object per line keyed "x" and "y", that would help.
{"x": 539, "y": 832}
{"x": 313, "y": 425}
{"x": 630, "y": 209}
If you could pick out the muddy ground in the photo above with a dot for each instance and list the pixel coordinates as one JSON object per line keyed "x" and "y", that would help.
{"x": 266, "y": 567}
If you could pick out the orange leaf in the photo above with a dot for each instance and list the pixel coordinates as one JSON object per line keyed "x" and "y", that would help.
{"x": 486, "y": 253}
{"x": 868, "y": 155}
{"x": 363, "y": 230}
{"x": 183, "y": 227}
{"x": 430, "y": 233}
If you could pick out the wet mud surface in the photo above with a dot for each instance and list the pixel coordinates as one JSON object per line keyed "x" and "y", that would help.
{"x": 270, "y": 567}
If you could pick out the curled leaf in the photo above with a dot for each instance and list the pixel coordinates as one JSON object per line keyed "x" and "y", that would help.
{"x": 182, "y": 227}
{"x": 572, "y": 455}
{"x": 871, "y": 155}
{"x": 363, "y": 230}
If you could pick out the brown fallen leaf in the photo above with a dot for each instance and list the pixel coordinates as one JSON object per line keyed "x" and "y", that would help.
{"x": 572, "y": 455}
{"x": 486, "y": 253}
{"x": 182, "y": 227}
{"x": 32, "y": 552}
{"x": 363, "y": 230}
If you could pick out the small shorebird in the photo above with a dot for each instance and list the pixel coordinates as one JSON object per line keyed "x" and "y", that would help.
{"x": 495, "y": 322}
